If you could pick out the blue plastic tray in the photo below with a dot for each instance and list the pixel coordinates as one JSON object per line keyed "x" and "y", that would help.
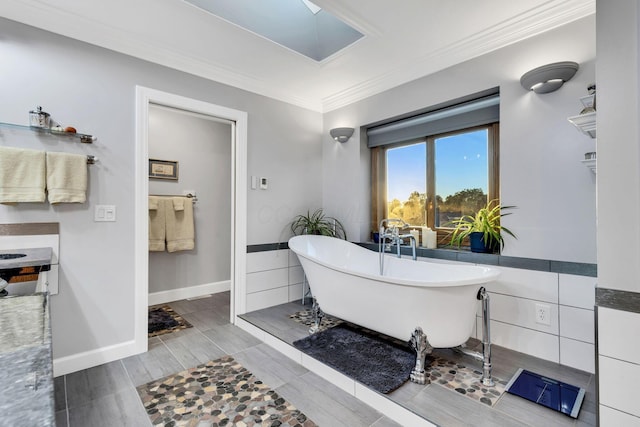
{"x": 554, "y": 394}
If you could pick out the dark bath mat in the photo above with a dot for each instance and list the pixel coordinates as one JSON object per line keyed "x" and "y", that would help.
{"x": 363, "y": 355}
{"x": 163, "y": 320}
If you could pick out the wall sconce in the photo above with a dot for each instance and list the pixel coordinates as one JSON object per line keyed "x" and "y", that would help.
{"x": 549, "y": 77}
{"x": 341, "y": 134}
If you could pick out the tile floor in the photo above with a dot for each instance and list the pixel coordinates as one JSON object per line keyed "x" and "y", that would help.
{"x": 446, "y": 407}
{"x": 105, "y": 395}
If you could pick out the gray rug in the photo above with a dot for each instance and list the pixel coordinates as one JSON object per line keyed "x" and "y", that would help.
{"x": 381, "y": 363}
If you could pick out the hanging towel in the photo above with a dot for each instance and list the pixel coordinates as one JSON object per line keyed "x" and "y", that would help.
{"x": 153, "y": 203}
{"x": 22, "y": 175}
{"x": 156, "y": 224}
{"x": 178, "y": 203}
{"x": 66, "y": 178}
{"x": 180, "y": 229}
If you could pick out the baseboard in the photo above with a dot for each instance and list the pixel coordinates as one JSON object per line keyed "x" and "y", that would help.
{"x": 89, "y": 359}
{"x": 188, "y": 292}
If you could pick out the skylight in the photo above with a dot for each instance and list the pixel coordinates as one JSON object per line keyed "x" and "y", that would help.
{"x": 298, "y": 25}
{"x": 312, "y": 7}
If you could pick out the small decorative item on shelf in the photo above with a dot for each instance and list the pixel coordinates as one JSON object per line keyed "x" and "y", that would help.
{"x": 39, "y": 118}
{"x": 586, "y": 120}
{"x": 589, "y": 101}
{"x": 429, "y": 238}
{"x": 590, "y": 161}
{"x": 483, "y": 229}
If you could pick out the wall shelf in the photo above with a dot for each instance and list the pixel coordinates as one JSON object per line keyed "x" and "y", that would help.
{"x": 586, "y": 123}
{"x": 84, "y": 138}
{"x": 591, "y": 164}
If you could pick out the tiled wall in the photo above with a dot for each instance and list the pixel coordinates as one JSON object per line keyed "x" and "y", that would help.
{"x": 273, "y": 277}
{"x": 568, "y": 339}
{"x": 618, "y": 366}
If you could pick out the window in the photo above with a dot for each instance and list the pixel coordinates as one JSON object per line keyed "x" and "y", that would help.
{"x": 438, "y": 177}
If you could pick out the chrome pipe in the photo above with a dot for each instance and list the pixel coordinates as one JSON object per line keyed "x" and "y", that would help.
{"x": 485, "y": 356}
{"x": 414, "y": 244}
{"x": 486, "y": 338}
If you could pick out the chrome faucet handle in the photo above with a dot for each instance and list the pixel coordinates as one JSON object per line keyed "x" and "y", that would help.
{"x": 393, "y": 227}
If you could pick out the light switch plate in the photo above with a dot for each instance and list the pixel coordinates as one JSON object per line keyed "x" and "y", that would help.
{"x": 105, "y": 213}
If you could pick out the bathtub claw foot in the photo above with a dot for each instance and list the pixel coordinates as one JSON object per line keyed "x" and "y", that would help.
{"x": 421, "y": 346}
{"x": 318, "y": 314}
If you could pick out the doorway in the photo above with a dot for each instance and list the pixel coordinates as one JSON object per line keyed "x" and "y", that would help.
{"x": 149, "y": 98}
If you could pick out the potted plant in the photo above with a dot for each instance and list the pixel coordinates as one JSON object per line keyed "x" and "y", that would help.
{"x": 318, "y": 223}
{"x": 483, "y": 229}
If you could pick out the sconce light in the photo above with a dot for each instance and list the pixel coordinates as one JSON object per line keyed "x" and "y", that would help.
{"x": 549, "y": 77}
{"x": 341, "y": 134}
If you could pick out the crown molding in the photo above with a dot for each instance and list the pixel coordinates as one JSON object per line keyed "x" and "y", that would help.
{"x": 39, "y": 14}
{"x": 528, "y": 24}
{"x": 43, "y": 14}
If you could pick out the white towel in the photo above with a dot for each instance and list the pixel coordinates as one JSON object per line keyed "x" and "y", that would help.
{"x": 178, "y": 203}
{"x": 153, "y": 203}
{"x": 179, "y": 226}
{"x": 66, "y": 178}
{"x": 156, "y": 224}
{"x": 22, "y": 175}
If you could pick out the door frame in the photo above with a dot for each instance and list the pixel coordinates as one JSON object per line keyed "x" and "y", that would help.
{"x": 144, "y": 97}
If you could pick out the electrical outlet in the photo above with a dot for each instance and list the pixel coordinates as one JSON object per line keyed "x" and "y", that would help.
{"x": 543, "y": 314}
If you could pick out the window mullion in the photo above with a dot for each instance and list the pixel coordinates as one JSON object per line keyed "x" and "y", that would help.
{"x": 430, "y": 204}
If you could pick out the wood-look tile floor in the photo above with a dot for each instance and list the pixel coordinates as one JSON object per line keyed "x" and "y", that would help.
{"x": 106, "y": 396}
{"x": 446, "y": 407}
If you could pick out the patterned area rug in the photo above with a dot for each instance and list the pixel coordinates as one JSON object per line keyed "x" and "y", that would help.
{"x": 465, "y": 380}
{"x": 163, "y": 320}
{"x": 306, "y": 318}
{"x": 218, "y": 393}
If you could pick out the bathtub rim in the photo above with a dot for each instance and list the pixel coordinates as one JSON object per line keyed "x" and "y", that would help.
{"x": 494, "y": 273}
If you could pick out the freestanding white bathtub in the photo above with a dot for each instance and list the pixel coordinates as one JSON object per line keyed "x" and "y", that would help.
{"x": 440, "y": 299}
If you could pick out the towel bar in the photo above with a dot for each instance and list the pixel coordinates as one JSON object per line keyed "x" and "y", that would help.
{"x": 193, "y": 198}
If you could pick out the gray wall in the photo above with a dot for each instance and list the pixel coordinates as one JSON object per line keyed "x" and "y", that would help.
{"x": 540, "y": 151}
{"x": 202, "y": 148}
{"x": 93, "y": 89}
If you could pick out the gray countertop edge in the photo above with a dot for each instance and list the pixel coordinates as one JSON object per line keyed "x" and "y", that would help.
{"x": 34, "y": 257}
{"x": 552, "y": 266}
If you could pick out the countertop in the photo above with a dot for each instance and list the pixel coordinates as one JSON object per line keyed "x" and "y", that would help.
{"x": 33, "y": 257}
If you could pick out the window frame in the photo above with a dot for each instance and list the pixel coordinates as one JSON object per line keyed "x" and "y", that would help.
{"x": 379, "y": 179}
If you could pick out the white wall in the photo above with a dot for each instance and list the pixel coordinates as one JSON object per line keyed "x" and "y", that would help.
{"x": 618, "y": 27}
{"x": 93, "y": 89}
{"x": 540, "y": 151}
{"x": 202, "y": 148}
{"x": 618, "y": 148}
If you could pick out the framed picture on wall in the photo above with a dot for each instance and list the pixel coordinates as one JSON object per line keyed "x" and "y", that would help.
{"x": 163, "y": 169}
